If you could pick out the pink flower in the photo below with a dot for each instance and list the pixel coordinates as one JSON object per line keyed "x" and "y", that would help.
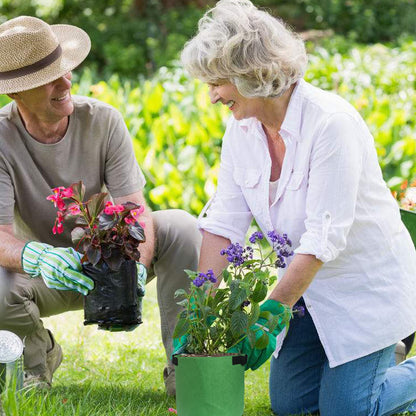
{"x": 136, "y": 212}
{"x": 172, "y": 410}
{"x": 110, "y": 208}
{"x": 67, "y": 192}
{"x": 58, "y": 202}
{"x": 129, "y": 220}
{"x": 74, "y": 209}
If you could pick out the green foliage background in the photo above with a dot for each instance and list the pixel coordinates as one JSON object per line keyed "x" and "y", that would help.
{"x": 131, "y": 37}
{"x": 177, "y": 132}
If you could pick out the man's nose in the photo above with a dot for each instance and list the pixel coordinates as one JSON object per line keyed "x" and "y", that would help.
{"x": 65, "y": 80}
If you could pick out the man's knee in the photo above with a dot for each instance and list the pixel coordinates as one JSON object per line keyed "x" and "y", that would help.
{"x": 175, "y": 226}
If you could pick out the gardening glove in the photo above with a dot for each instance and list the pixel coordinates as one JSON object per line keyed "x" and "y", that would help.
{"x": 59, "y": 267}
{"x": 180, "y": 344}
{"x": 255, "y": 356}
{"x": 141, "y": 279}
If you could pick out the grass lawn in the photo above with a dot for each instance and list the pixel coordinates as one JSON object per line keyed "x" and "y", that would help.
{"x": 116, "y": 374}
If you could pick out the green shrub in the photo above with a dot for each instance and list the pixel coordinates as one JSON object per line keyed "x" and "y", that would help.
{"x": 177, "y": 132}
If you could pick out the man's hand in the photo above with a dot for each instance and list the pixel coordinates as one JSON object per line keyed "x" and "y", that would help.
{"x": 59, "y": 267}
{"x": 270, "y": 309}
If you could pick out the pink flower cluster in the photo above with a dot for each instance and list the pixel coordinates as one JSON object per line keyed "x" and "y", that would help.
{"x": 58, "y": 201}
{"x": 58, "y": 195}
{"x": 74, "y": 209}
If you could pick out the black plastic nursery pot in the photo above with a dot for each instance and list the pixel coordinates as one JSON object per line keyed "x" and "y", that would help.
{"x": 113, "y": 304}
{"x": 209, "y": 385}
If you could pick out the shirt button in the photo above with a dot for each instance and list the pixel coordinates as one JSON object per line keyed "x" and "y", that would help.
{"x": 247, "y": 182}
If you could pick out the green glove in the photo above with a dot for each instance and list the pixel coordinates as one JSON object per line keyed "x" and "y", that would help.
{"x": 180, "y": 344}
{"x": 256, "y": 357}
{"x": 59, "y": 267}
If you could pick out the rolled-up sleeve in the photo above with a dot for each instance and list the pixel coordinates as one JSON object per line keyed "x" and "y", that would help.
{"x": 6, "y": 195}
{"x": 334, "y": 174}
{"x": 227, "y": 213}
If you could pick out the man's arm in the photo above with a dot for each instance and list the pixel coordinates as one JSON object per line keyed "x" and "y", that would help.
{"x": 147, "y": 249}
{"x": 10, "y": 249}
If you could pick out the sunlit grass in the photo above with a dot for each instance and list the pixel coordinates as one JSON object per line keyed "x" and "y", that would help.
{"x": 116, "y": 374}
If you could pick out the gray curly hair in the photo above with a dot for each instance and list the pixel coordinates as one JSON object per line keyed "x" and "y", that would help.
{"x": 250, "y": 48}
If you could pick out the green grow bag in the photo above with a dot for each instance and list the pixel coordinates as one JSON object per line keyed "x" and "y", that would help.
{"x": 210, "y": 386}
{"x": 409, "y": 220}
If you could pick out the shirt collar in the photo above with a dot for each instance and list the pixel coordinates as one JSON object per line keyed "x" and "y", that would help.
{"x": 291, "y": 123}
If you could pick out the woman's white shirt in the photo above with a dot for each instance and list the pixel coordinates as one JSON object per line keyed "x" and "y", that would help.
{"x": 332, "y": 202}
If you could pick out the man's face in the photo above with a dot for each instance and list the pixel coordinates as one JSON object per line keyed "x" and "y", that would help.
{"x": 48, "y": 103}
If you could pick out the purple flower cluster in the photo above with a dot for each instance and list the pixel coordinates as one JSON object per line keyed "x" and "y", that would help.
{"x": 282, "y": 246}
{"x": 204, "y": 277}
{"x": 236, "y": 254}
{"x": 258, "y": 235}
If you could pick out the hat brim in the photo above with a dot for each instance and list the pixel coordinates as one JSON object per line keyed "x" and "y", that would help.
{"x": 75, "y": 44}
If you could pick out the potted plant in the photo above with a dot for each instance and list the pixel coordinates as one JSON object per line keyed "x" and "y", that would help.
{"x": 214, "y": 321}
{"x": 108, "y": 236}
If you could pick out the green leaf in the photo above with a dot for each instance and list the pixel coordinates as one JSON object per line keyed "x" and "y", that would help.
{"x": 181, "y": 328}
{"x": 180, "y": 292}
{"x": 96, "y": 204}
{"x": 239, "y": 322}
{"x": 259, "y": 293}
{"x": 237, "y": 297}
{"x": 251, "y": 336}
{"x": 183, "y": 302}
{"x": 226, "y": 275}
{"x": 262, "y": 342}
{"x": 79, "y": 191}
{"x": 254, "y": 314}
{"x": 77, "y": 234}
{"x": 273, "y": 322}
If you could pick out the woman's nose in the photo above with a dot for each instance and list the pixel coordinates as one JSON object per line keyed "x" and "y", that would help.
{"x": 213, "y": 95}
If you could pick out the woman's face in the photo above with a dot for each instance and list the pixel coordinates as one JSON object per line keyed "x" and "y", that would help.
{"x": 227, "y": 94}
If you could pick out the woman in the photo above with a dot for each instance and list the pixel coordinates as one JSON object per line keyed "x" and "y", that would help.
{"x": 301, "y": 161}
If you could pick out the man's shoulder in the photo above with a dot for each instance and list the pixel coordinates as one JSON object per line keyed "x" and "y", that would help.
{"x": 5, "y": 112}
{"x": 93, "y": 106}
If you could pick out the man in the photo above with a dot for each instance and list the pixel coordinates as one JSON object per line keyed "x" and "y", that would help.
{"x": 48, "y": 139}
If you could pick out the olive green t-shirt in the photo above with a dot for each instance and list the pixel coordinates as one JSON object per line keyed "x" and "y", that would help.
{"x": 96, "y": 149}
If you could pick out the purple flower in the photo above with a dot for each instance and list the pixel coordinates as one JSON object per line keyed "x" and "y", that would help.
{"x": 204, "y": 277}
{"x": 211, "y": 277}
{"x": 234, "y": 253}
{"x": 300, "y": 310}
{"x": 280, "y": 262}
{"x": 198, "y": 282}
{"x": 282, "y": 246}
{"x": 256, "y": 236}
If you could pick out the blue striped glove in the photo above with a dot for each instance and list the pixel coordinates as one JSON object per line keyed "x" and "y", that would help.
{"x": 141, "y": 279}
{"x": 59, "y": 267}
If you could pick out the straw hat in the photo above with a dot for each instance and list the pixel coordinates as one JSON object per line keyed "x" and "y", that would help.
{"x": 33, "y": 53}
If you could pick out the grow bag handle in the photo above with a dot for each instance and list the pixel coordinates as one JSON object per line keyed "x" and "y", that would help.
{"x": 236, "y": 359}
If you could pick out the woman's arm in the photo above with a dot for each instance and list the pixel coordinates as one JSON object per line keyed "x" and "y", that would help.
{"x": 296, "y": 280}
{"x": 210, "y": 257}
